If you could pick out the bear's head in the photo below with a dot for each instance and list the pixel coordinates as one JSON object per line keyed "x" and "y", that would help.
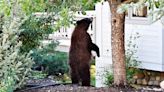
{"x": 84, "y": 23}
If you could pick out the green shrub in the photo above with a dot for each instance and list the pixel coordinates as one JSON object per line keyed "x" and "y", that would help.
{"x": 131, "y": 62}
{"x": 38, "y": 75}
{"x": 89, "y": 4}
{"x": 7, "y": 85}
{"x": 109, "y": 79}
{"x": 93, "y": 73}
{"x": 93, "y": 80}
{"x": 14, "y": 67}
{"x": 50, "y": 61}
{"x": 34, "y": 30}
{"x": 130, "y": 59}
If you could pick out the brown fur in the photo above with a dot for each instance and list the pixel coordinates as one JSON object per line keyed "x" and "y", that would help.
{"x": 80, "y": 53}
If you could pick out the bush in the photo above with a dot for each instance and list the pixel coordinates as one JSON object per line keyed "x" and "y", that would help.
{"x": 50, "y": 61}
{"x": 93, "y": 73}
{"x": 38, "y": 75}
{"x": 34, "y": 30}
{"x": 89, "y": 4}
{"x": 109, "y": 79}
{"x": 14, "y": 67}
{"x": 130, "y": 60}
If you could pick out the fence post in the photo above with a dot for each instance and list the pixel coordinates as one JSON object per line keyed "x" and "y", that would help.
{"x": 103, "y": 40}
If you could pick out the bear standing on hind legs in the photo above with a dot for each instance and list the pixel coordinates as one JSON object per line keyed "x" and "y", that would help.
{"x": 80, "y": 53}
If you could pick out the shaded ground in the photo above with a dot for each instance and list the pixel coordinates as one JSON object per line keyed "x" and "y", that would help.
{"x": 73, "y": 88}
{"x": 47, "y": 85}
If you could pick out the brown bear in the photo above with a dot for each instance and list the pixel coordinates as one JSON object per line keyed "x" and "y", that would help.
{"x": 80, "y": 53}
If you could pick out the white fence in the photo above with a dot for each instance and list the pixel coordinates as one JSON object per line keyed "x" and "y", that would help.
{"x": 150, "y": 44}
{"x": 103, "y": 40}
{"x": 64, "y": 34}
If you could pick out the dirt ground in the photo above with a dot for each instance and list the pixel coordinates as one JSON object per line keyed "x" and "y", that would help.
{"x": 48, "y": 85}
{"x": 75, "y": 88}
{"x": 68, "y": 88}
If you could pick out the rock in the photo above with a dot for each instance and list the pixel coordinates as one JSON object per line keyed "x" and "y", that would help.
{"x": 157, "y": 90}
{"x": 157, "y": 78}
{"x": 139, "y": 81}
{"x": 133, "y": 81}
{"x": 51, "y": 77}
{"x": 134, "y": 77}
{"x": 162, "y": 84}
{"x": 156, "y": 83}
{"x": 144, "y": 82}
{"x": 150, "y": 83}
{"x": 152, "y": 78}
{"x": 162, "y": 78}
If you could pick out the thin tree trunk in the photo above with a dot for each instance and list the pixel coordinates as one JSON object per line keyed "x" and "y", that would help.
{"x": 118, "y": 50}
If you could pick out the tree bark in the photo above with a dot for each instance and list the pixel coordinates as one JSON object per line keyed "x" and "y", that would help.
{"x": 118, "y": 50}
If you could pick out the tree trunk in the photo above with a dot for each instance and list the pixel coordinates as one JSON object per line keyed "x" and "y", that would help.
{"x": 118, "y": 50}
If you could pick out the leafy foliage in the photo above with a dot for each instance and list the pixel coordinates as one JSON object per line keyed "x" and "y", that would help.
{"x": 50, "y": 61}
{"x": 109, "y": 78}
{"x": 93, "y": 73}
{"x": 34, "y": 30}
{"x": 155, "y": 7}
{"x": 38, "y": 75}
{"x": 89, "y": 4}
{"x": 15, "y": 67}
{"x": 31, "y": 6}
{"x": 131, "y": 62}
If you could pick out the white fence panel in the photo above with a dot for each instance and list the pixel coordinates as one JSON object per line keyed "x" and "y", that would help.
{"x": 64, "y": 34}
{"x": 150, "y": 44}
{"x": 103, "y": 40}
{"x": 150, "y": 48}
